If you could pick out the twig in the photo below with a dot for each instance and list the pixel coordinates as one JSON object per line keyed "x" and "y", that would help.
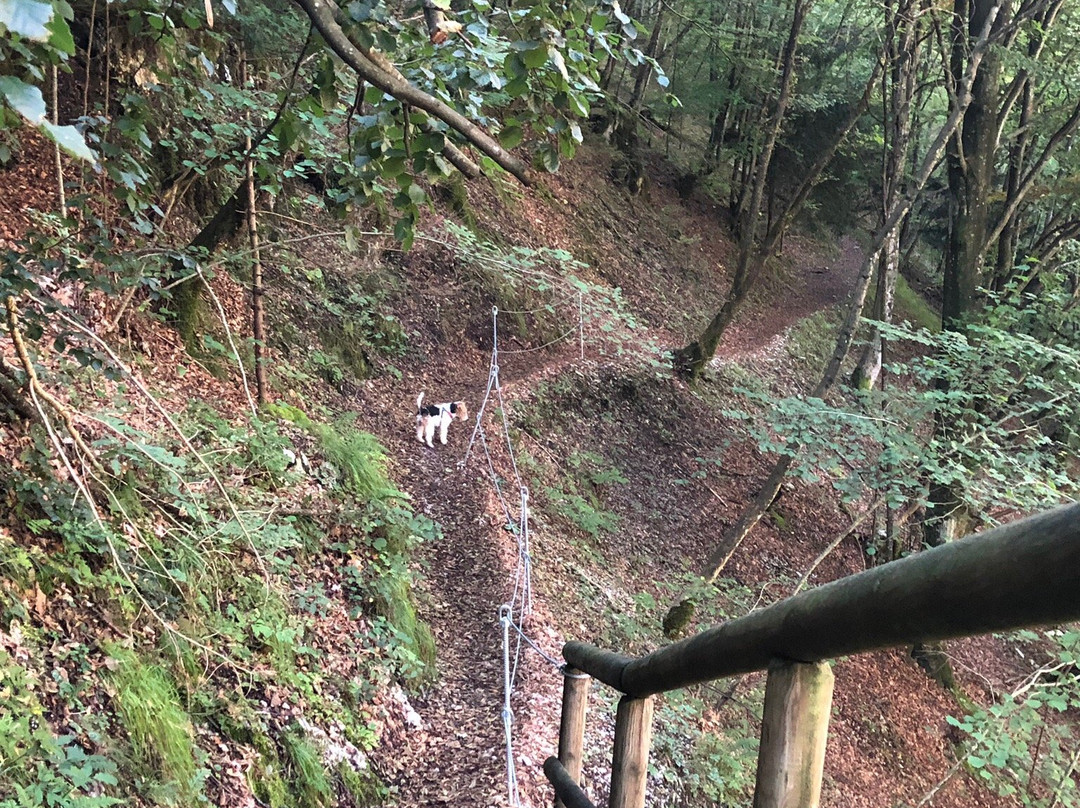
{"x": 850, "y": 529}
{"x": 84, "y": 490}
{"x": 124, "y": 303}
{"x": 1065, "y": 778}
{"x": 229, "y": 336}
{"x": 56, "y": 146}
{"x": 179, "y": 432}
{"x": 948, "y": 776}
{"x": 37, "y": 390}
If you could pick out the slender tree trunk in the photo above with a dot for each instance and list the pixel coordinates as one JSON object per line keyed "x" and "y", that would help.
{"x": 258, "y": 321}
{"x": 899, "y": 89}
{"x": 682, "y": 610}
{"x": 1010, "y": 230}
{"x": 645, "y": 70}
{"x": 752, "y": 257}
{"x": 693, "y": 358}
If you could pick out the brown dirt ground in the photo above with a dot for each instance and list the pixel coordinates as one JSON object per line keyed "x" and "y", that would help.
{"x": 888, "y": 743}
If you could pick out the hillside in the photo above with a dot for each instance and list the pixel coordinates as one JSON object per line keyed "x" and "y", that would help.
{"x": 631, "y": 474}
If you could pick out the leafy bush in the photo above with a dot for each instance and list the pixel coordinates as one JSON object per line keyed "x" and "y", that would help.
{"x": 1016, "y": 746}
{"x": 37, "y": 767}
{"x": 1004, "y": 382}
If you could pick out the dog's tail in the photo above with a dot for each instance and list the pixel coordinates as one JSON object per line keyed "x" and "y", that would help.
{"x": 419, "y": 398}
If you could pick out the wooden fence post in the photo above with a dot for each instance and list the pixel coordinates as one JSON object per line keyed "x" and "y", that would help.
{"x": 630, "y": 757}
{"x": 794, "y": 728}
{"x": 575, "y": 699}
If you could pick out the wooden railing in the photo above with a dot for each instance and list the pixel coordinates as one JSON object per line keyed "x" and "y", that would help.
{"x": 1023, "y": 574}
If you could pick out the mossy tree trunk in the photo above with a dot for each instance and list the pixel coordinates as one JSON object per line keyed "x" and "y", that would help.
{"x": 187, "y": 296}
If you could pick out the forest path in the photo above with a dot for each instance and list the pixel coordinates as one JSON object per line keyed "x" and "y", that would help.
{"x": 458, "y": 756}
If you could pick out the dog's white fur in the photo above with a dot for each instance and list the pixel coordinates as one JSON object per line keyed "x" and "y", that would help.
{"x": 440, "y": 415}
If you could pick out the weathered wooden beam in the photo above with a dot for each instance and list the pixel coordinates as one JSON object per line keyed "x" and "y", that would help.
{"x": 1026, "y": 573}
{"x": 794, "y": 729}
{"x": 572, "y": 726}
{"x": 630, "y": 755}
{"x": 607, "y": 666}
{"x": 567, "y": 791}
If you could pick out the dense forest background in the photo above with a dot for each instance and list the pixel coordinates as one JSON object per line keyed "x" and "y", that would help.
{"x": 783, "y": 291}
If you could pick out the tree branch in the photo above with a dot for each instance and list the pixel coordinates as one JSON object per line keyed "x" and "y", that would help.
{"x": 378, "y": 71}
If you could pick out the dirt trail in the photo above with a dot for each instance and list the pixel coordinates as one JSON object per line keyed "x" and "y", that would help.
{"x": 457, "y": 757}
{"x": 759, "y": 329}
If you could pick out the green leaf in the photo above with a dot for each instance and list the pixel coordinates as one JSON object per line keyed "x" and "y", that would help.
{"x": 549, "y": 158}
{"x": 24, "y": 98}
{"x": 535, "y": 58}
{"x": 560, "y": 63}
{"x": 517, "y": 87}
{"x": 510, "y": 137}
{"x": 27, "y": 18}
{"x": 578, "y": 105}
{"x": 70, "y": 140}
{"x": 60, "y": 35}
{"x": 416, "y": 194}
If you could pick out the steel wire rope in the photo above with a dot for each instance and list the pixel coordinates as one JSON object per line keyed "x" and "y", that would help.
{"x": 546, "y": 307}
{"x": 513, "y": 613}
{"x": 559, "y": 338}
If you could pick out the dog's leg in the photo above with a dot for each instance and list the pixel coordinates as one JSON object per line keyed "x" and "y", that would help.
{"x": 444, "y": 424}
{"x": 420, "y": 428}
{"x": 429, "y": 430}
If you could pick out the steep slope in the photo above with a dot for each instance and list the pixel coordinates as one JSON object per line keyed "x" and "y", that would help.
{"x": 630, "y": 473}
{"x": 610, "y": 431}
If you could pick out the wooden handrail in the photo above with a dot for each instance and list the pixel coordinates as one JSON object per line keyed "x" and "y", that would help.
{"x": 1026, "y": 573}
{"x": 566, "y": 790}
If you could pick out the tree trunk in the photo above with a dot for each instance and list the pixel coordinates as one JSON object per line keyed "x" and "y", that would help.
{"x": 900, "y": 80}
{"x": 970, "y": 162}
{"x": 693, "y": 358}
{"x": 187, "y": 296}
{"x": 751, "y": 515}
{"x": 258, "y": 325}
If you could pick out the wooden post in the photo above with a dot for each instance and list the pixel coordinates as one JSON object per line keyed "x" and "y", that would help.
{"x": 575, "y": 699}
{"x": 794, "y": 728}
{"x": 630, "y": 757}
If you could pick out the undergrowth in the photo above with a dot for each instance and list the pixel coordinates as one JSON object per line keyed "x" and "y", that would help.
{"x": 195, "y": 578}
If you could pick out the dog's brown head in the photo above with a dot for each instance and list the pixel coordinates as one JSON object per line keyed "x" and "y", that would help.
{"x": 461, "y": 412}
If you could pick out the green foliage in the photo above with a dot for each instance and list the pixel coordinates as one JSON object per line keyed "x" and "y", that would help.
{"x": 912, "y": 307}
{"x": 578, "y": 498}
{"x": 1017, "y": 746}
{"x": 37, "y": 767}
{"x": 359, "y": 458}
{"x": 1005, "y": 381}
{"x": 307, "y": 775}
{"x": 221, "y": 572}
{"x": 34, "y": 34}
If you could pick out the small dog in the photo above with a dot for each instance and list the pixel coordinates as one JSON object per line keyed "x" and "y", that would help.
{"x": 427, "y": 418}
